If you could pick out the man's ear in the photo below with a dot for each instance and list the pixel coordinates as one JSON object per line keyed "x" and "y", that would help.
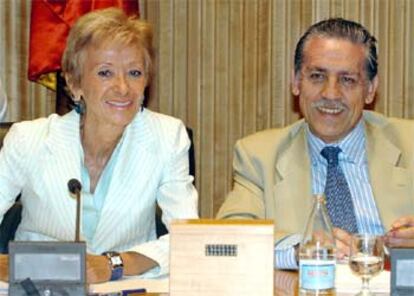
{"x": 295, "y": 83}
{"x": 372, "y": 90}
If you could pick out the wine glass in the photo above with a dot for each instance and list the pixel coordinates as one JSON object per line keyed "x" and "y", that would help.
{"x": 366, "y": 258}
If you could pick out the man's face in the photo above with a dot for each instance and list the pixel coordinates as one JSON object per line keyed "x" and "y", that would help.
{"x": 333, "y": 86}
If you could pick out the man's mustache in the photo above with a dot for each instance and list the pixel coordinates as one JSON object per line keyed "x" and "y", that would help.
{"x": 329, "y": 104}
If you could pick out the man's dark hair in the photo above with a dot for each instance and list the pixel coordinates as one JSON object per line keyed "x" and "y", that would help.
{"x": 341, "y": 29}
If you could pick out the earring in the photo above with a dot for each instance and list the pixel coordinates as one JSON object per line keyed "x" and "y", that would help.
{"x": 142, "y": 103}
{"x": 79, "y": 106}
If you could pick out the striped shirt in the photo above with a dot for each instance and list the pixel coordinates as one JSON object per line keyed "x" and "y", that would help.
{"x": 353, "y": 161}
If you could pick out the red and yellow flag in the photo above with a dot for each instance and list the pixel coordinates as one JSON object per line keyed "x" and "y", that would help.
{"x": 50, "y": 23}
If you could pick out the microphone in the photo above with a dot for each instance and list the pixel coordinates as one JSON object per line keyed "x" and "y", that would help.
{"x": 75, "y": 188}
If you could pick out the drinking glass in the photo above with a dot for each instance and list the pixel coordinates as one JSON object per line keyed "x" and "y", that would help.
{"x": 366, "y": 258}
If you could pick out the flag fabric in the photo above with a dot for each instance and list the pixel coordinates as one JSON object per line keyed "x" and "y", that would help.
{"x": 50, "y": 24}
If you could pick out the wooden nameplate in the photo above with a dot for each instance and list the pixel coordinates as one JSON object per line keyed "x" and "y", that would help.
{"x": 221, "y": 257}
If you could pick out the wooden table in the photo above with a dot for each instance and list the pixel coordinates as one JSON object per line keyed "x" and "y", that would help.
{"x": 286, "y": 283}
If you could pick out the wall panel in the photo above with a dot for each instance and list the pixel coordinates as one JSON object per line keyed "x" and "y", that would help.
{"x": 409, "y": 62}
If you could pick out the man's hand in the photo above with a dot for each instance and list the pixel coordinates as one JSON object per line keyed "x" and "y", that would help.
{"x": 4, "y": 268}
{"x": 401, "y": 233}
{"x": 343, "y": 243}
{"x": 97, "y": 269}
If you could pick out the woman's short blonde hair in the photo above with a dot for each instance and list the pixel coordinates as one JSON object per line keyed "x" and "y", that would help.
{"x": 98, "y": 27}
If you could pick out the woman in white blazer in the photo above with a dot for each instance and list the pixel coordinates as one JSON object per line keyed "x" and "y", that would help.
{"x": 127, "y": 158}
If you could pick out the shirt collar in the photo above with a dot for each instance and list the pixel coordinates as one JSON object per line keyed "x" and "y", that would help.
{"x": 352, "y": 145}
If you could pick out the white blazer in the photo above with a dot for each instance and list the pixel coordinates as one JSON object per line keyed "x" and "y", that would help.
{"x": 39, "y": 157}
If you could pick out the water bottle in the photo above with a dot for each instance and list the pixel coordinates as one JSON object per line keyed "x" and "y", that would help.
{"x": 317, "y": 260}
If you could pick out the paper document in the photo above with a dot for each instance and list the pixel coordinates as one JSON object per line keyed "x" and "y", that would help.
{"x": 132, "y": 282}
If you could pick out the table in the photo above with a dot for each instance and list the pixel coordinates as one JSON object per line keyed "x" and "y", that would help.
{"x": 286, "y": 283}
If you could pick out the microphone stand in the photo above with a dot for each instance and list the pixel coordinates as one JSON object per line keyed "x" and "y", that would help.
{"x": 75, "y": 188}
{"x": 77, "y": 235}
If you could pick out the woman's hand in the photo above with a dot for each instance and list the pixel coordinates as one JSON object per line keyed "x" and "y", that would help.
{"x": 401, "y": 233}
{"x": 97, "y": 269}
{"x": 136, "y": 263}
{"x": 4, "y": 268}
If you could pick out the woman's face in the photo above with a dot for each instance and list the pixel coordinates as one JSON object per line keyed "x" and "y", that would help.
{"x": 112, "y": 83}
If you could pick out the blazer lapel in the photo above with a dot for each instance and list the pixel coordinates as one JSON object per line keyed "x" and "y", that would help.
{"x": 64, "y": 146}
{"x": 293, "y": 175}
{"x": 60, "y": 165}
{"x": 390, "y": 183}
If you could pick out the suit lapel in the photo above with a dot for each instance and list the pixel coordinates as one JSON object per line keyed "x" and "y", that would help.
{"x": 390, "y": 182}
{"x": 60, "y": 165}
{"x": 293, "y": 175}
{"x": 64, "y": 146}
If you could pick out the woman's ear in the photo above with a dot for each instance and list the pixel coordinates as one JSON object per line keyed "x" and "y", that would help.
{"x": 75, "y": 92}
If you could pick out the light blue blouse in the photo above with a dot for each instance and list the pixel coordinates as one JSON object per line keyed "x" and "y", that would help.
{"x": 92, "y": 203}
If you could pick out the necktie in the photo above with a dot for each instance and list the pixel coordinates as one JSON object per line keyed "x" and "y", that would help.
{"x": 338, "y": 197}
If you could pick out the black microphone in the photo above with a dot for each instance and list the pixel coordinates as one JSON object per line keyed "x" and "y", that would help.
{"x": 75, "y": 188}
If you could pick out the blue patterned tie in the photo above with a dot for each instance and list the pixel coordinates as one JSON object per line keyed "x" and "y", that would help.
{"x": 338, "y": 197}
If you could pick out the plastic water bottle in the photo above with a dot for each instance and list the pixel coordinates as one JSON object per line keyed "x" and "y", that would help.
{"x": 317, "y": 260}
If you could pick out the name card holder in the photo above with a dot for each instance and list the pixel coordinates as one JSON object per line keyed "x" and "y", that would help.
{"x": 221, "y": 257}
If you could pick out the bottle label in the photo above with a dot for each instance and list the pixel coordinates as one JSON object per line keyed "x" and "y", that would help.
{"x": 317, "y": 274}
